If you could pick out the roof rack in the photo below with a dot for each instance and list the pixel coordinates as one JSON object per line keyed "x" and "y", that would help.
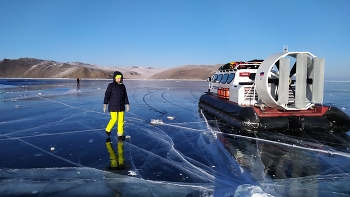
{"x": 252, "y": 64}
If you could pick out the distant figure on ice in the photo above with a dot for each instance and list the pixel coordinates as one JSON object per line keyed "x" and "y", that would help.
{"x": 117, "y": 100}
{"x": 78, "y": 83}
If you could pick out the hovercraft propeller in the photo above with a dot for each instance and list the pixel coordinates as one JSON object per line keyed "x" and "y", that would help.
{"x": 305, "y": 80}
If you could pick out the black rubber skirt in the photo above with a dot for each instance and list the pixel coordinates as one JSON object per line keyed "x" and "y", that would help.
{"x": 245, "y": 119}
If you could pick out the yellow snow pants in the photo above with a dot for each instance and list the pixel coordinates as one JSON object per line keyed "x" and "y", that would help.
{"x": 116, "y": 116}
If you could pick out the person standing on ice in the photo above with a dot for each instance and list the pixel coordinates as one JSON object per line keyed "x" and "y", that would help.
{"x": 78, "y": 83}
{"x": 117, "y": 99}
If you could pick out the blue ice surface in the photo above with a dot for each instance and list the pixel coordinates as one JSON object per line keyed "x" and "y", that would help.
{"x": 53, "y": 143}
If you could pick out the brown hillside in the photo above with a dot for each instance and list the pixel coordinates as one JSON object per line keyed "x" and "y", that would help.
{"x": 201, "y": 72}
{"x": 36, "y": 68}
{"x": 16, "y": 68}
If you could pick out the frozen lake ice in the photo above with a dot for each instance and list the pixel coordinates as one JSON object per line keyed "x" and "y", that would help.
{"x": 53, "y": 143}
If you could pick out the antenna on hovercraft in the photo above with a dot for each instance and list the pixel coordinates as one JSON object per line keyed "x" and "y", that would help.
{"x": 285, "y": 48}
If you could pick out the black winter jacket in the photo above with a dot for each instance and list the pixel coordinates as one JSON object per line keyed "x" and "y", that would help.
{"x": 116, "y": 96}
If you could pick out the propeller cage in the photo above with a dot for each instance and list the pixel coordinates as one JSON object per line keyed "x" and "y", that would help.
{"x": 284, "y": 88}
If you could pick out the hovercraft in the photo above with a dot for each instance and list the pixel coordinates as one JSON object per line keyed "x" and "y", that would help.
{"x": 272, "y": 95}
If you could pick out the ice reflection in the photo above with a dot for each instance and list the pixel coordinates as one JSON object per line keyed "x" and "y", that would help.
{"x": 55, "y": 143}
{"x": 116, "y": 158}
{"x": 292, "y": 164}
{"x": 287, "y": 156}
{"x": 52, "y": 142}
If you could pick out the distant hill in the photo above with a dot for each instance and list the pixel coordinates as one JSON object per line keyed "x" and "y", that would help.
{"x": 187, "y": 72}
{"x": 37, "y": 68}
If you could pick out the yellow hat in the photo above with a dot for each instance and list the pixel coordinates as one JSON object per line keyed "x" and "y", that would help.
{"x": 118, "y": 76}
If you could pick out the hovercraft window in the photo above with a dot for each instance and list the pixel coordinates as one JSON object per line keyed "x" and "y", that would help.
{"x": 214, "y": 78}
{"x": 224, "y": 79}
{"x": 230, "y": 78}
{"x": 219, "y": 78}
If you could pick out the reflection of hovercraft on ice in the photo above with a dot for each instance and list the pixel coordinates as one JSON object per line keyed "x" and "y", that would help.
{"x": 269, "y": 95}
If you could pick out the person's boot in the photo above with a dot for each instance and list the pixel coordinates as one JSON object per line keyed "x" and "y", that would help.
{"x": 108, "y": 133}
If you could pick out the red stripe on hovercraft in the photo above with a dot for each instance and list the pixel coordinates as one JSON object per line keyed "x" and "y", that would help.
{"x": 268, "y": 112}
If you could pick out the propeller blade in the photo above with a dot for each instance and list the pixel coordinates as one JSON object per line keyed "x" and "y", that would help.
{"x": 317, "y": 75}
{"x": 283, "y": 82}
{"x": 300, "y": 83}
{"x": 294, "y": 69}
{"x": 278, "y": 64}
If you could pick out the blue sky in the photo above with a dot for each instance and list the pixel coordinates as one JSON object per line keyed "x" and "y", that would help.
{"x": 169, "y": 33}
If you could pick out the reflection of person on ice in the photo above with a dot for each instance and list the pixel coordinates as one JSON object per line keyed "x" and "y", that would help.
{"x": 116, "y": 160}
{"x": 117, "y": 100}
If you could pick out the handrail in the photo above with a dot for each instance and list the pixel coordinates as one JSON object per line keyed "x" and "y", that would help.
{"x": 246, "y": 95}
